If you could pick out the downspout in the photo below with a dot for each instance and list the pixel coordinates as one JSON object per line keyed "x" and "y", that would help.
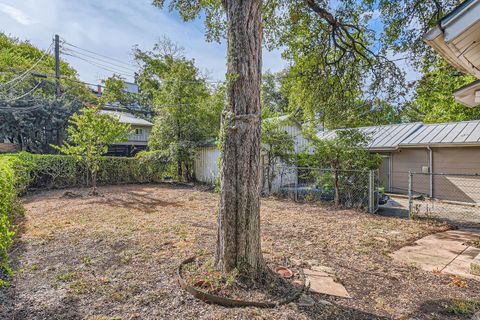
{"x": 430, "y": 169}
{"x": 390, "y": 172}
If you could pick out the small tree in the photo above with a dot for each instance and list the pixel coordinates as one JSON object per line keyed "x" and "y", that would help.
{"x": 347, "y": 151}
{"x": 89, "y": 136}
{"x": 277, "y": 147}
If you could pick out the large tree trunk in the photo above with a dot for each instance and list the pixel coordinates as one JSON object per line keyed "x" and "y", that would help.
{"x": 238, "y": 238}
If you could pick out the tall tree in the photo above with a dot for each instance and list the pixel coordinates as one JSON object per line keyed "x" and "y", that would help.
{"x": 347, "y": 151}
{"x": 238, "y": 241}
{"x": 185, "y": 112}
{"x": 278, "y": 148}
{"x": 341, "y": 33}
{"x": 434, "y": 101}
{"x": 274, "y": 99}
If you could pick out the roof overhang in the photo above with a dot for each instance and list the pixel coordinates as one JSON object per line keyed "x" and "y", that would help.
{"x": 457, "y": 37}
{"x": 382, "y": 149}
{"x": 439, "y": 145}
{"x": 469, "y": 95}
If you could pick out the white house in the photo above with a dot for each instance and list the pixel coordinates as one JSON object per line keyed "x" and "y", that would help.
{"x": 137, "y": 140}
{"x": 141, "y": 128}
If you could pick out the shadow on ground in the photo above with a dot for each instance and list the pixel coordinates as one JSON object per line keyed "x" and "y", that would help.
{"x": 137, "y": 201}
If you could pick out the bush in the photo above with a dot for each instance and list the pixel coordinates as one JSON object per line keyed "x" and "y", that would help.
{"x": 59, "y": 171}
{"x": 8, "y": 196}
{"x": 24, "y": 171}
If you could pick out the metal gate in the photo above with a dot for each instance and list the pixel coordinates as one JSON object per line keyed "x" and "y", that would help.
{"x": 450, "y": 197}
{"x": 356, "y": 189}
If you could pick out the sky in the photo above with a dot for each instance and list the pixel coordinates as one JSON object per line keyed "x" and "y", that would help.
{"x": 112, "y": 28}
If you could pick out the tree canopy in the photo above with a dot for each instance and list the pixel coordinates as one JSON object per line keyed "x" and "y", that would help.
{"x": 187, "y": 111}
{"x": 433, "y": 100}
{"x": 342, "y": 56}
{"x": 30, "y": 112}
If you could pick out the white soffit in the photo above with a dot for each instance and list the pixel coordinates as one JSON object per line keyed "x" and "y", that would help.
{"x": 457, "y": 37}
{"x": 125, "y": 117}
{"x": 466, "y": 95}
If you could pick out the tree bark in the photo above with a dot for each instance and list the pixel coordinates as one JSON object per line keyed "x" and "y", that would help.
{"x": 238, "y": 237}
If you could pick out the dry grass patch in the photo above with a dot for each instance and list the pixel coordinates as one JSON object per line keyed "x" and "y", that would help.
{"x": 115, "y": 257}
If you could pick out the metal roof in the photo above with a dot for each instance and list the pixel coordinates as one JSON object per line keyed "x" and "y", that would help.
{"x": 391, "y": 137}
{"x": 125, "y": 117}
{"x": 455, "y": 133}
{"x": 385, "y": 137}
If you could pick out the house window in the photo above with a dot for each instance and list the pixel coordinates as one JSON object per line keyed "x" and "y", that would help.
{"x": 138, "y": 131}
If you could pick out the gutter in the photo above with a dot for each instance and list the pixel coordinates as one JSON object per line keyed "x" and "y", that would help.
{"x": 430, "y": 169}
{"x": 456, "y": 13}
{"x": 440, "y": 145}
{"x": 444, "y": 22}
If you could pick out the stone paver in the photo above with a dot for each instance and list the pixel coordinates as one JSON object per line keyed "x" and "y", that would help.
{"x": 321, "y": 280}
{"x": 442, "y": 252}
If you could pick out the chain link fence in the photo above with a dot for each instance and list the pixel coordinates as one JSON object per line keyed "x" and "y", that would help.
{"x": 454, "y": 198}
{"x": 354, "y": 189}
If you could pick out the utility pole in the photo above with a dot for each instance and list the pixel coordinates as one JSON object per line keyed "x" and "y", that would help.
{"x": 57, "y": 86}
{"x": 57, "y": 64}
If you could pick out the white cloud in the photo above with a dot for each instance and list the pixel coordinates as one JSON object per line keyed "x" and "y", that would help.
{"x": 112, "y": 29}
{"x": 16, "y": 14}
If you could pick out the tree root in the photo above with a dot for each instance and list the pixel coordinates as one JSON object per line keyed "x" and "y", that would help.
{"x": 227, "y": 302}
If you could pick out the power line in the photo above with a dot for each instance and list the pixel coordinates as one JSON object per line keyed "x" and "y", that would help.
{"x": 105, "y": 61}
{"x": 23, "y": 75}
{"x": 67, "y": 50}
{"x": 102, "y": 66}
{"x": 92, "y": 52}
{"x": 25, "y": 94}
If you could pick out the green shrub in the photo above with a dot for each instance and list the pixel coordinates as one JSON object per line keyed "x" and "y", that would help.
{"x": 59, "y": 171}
{"x": 24, "y": 171}
{"x": 8, "y": 197}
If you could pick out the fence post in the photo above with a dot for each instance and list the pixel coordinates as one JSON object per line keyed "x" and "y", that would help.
{"x": 296, "y": 184}
{"x": 410, "y": 197}
{"x": 371, "y": 192}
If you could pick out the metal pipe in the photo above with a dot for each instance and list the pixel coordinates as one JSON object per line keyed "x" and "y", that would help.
{"x": 430, "y": 169}
{"x": 390, "y": 172}
{"x": 410, "y": 195}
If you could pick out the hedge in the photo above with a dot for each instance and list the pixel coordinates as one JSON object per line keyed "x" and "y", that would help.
{"x": 22, "y": 172}
{"x": 7, "y": 202}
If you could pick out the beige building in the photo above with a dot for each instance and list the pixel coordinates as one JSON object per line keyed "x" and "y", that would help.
{"x": 444, "y": 158}
{"x": 7, "y": 147}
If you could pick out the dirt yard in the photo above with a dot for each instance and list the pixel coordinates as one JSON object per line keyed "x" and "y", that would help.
{"x": 114, "y": 257}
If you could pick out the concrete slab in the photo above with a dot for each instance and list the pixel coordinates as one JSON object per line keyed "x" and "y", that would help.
{"x": 325, "y": 283}
{"x": 442, "y": 252}
{"x": 475, "y": 266}
{"x": 461, "y": 265}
